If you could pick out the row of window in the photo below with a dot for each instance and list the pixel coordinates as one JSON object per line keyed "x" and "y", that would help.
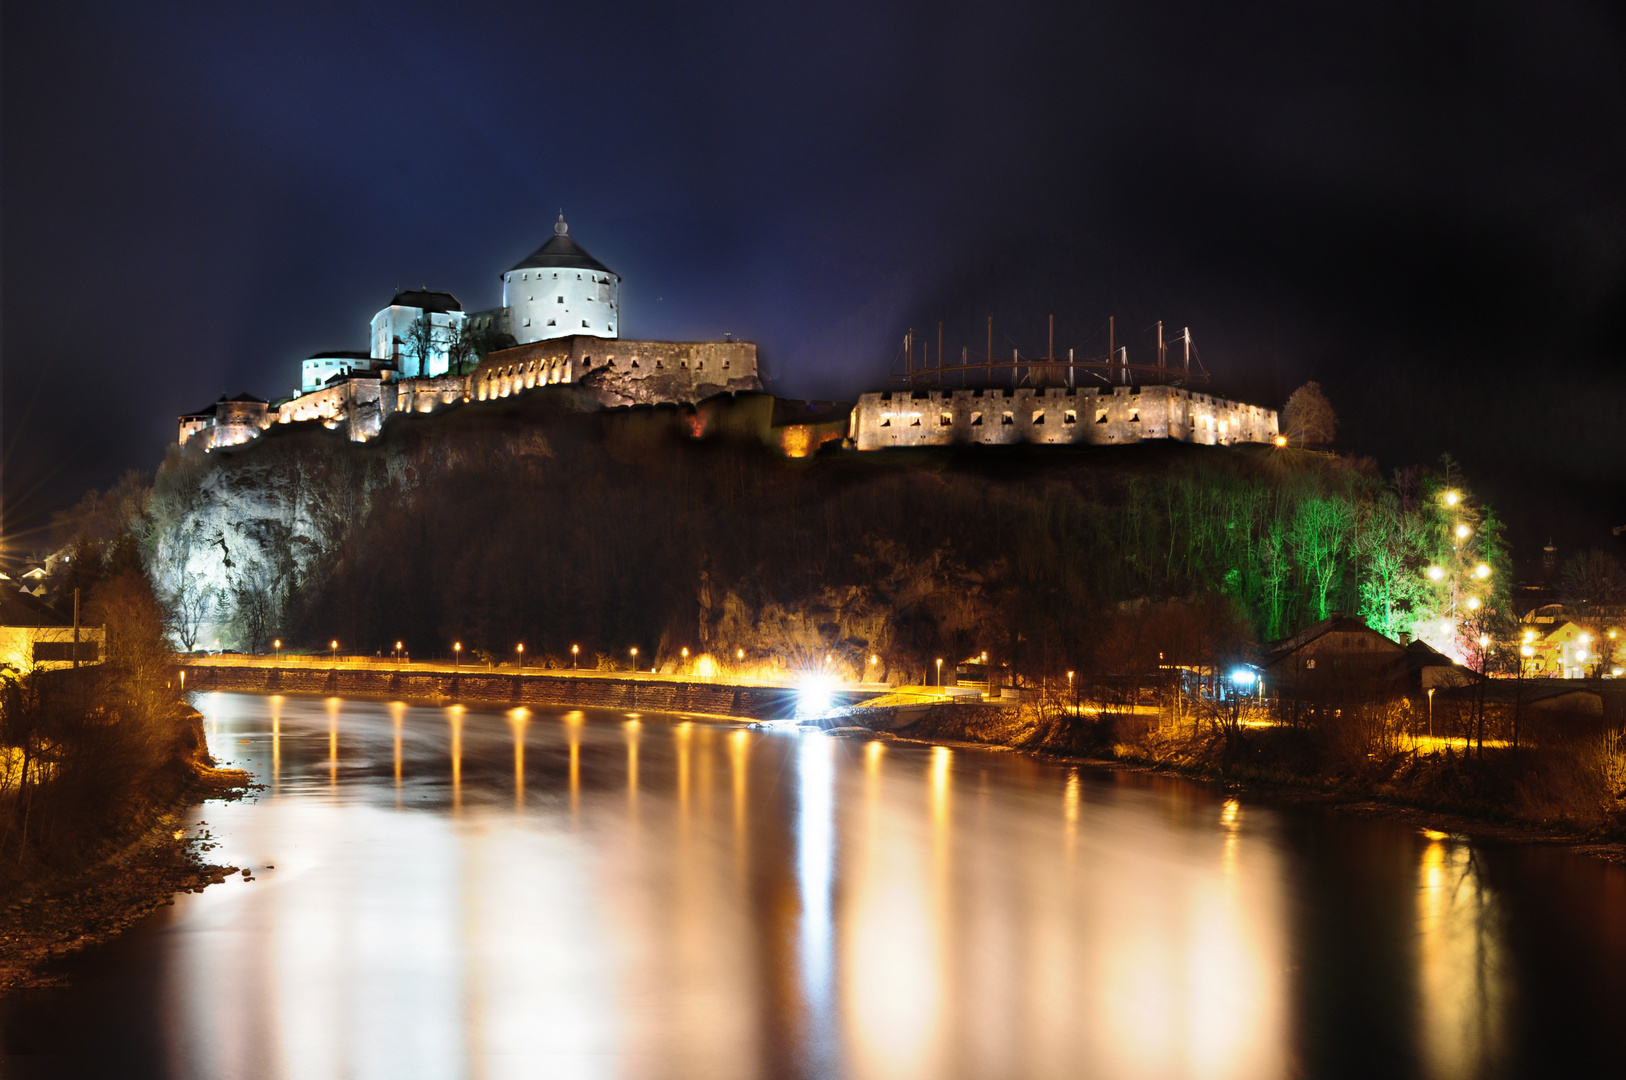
{"x": 1069, "y": 417}
{"x": 526, "y": 276}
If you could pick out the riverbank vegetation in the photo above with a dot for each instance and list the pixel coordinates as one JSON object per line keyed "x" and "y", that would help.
{"x": 91, "y": 757}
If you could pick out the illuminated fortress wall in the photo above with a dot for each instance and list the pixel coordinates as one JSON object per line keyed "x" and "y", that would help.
{"x": 621, "y": 372}
{"x": 1097, "y": 416}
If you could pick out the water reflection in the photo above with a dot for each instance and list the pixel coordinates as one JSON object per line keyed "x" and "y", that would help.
{"x": 520, "y": 893}
{"x": 1460, "y": 987}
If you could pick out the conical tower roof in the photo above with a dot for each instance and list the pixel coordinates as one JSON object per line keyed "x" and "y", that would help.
{"x": 560, "y": 253}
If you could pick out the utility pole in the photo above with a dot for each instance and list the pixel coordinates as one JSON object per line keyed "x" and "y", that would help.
{"x": 1187, "y": 336}
{"x": 990, "y": 351}
{"x": 1160, "y": 351}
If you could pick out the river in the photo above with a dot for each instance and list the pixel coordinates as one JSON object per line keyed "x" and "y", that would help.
{"x": 449, "y": 892}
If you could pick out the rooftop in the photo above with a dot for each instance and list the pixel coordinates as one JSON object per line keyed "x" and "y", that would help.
{"x": 561, "y": 253}
{"x": 424, "y": 299}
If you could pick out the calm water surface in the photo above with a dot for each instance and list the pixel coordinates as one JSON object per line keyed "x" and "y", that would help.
{"x": 478, "y": 893}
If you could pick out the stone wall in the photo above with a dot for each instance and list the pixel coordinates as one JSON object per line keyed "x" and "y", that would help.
{"x": 591, "y": 692}
{"x": 1096, "y": 416}
{"x": 620, "y": 373}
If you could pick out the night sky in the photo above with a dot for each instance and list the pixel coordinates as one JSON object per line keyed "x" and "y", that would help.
{"x": 1422, "y": 206}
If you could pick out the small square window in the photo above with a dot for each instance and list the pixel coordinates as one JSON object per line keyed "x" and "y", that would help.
{"x": 1134, "y": 416}
{"x": 1007, "y": 419}
{"x": 976, "y": 419}
{"x": 1070, "y": 417}
{"x": 945, "y": 419}
{"x": 886, "y": 421}
{"x": 560, "y": 300}
{"x": 1038, "y": 416}
{"x": 584, "y": 324}
{"x": 551, "y": 322}
{"x": 915, "y": 422}
{"x": 528, "y": 322}
{"x": 1100, "y": 416}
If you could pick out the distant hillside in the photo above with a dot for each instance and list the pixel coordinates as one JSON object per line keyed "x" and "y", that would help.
{"x": 610, "y": 530}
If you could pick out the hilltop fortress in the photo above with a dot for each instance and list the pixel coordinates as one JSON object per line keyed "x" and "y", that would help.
{"x": 558, "y": 326}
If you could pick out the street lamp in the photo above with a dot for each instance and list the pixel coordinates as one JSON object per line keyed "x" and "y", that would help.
{"x": 334, "y": 645}
{"x": 635, "y": 658}
{"x": 457, "y": 654}
{"x": 520, "y": 648}
{"x": 1452, "y": 498}
{"x": 739, "y": 654}
{"x": 574, "y": 649}
{"x": 1070, "y": 690}
{"x": 939, "y": 672}
{"x": 397, "y": 652}
{"x": 276, "y": 649}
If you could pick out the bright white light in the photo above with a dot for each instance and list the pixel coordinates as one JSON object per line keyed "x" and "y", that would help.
{"x": 1463, "y": 531}
{"x": 1481, "y": 571}
{"x": 1527, "y": 650}
{"x": 1242, "y": 677}
{"x": 1580, "y": 654}
{"x": 1452, "y": 498}
{"x": 1473, "y": 603}
{"x": 1435, "y": 573}
{"x": 1617, "y": 672}
{"x": 815, "y": 697}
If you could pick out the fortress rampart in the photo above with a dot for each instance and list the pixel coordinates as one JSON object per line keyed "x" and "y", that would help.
{"x": 1095, "y": 416}
{"x": 622, "y": 372}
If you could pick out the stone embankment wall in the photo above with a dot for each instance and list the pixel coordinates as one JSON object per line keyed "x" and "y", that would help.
{"x": 1093, "y": 416}
{"x": 649, "y": 695}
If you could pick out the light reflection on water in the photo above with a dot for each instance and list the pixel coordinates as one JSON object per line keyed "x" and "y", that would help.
{"x": 516, "y": 893}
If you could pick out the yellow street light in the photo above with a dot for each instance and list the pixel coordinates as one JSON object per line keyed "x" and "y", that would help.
{"x": 1452, "y": 498}
{"x": 334, "y": 645}
{"x": 940, "y": 671}
{"x": 1473, "y": 603}
{"x": 1525, "y": 650}
{"x": 276, "y": 648}
{"x": 574, "y": 650}
{"x": 1529, "y": 635}
{"x": 739, "y": 654}
{"x": 1484, "y": 640}
{"x": 1280, "y": 441}
{"x": 457, "y": 653}
{"x": 1481, "y": 571}
{"x": 520, "y": 648}
{"x": 1463, "y": 531}
{"x": 1435, "y": 573}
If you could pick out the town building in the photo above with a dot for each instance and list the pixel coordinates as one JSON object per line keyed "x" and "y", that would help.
{"x": 36, "y": 637}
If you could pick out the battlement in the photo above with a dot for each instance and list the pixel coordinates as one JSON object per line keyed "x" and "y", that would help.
{"x": 1093, "y": 416}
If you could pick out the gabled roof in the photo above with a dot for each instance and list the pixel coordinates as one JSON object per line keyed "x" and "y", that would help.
{"x": 560, "y": 253}
{"x": 1331, "y": 624}
{"x": 427, "y": 300}
{"x": 18, "y": 608}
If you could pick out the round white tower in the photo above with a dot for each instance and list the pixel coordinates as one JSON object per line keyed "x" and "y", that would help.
{"x": 561, "y": 290}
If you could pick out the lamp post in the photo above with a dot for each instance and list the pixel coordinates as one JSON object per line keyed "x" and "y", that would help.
{"x": 1070, "y": 690}
{"x": 457, "y": 654}
{"x": 397, "y": 653}
{"x": 635, "y": 658}
{"x": 873, "y": 662}
{"x": 940, "y": 673}
{"x": 520, "y": 648}
{"x": 276, "y": 650}
{"x": 574, "y": 650}
{"x": 334, "y": 645}
{"x": 1431, "y": 712}
{"x": 685, "y": 656}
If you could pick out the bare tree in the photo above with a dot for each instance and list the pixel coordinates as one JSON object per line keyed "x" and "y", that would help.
{"x": 1594, "y": 577}
{"x": 1308, "y": 419}
{"x": 421, "y": 341}
{"x": 189, "y": 605}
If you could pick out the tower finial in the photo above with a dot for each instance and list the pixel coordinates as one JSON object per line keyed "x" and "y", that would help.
{"x": 559, "y": 227}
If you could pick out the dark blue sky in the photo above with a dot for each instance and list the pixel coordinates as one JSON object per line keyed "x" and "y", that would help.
{"x": 1421, "y": 205}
